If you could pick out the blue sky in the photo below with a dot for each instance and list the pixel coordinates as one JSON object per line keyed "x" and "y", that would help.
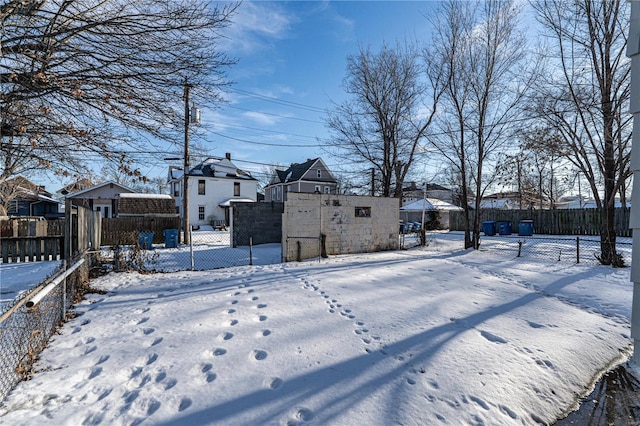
{"x": 291, "y": 63}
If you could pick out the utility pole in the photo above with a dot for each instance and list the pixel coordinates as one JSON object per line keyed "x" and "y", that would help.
{"x": 633, "y": 51}
{"x": 185, "y": 176}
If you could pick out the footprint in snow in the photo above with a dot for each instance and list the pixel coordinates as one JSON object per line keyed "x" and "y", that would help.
{"x": 184, "y": 404}
{"x": 102, "y": 359}
{"x": 261, "y": 318}
{"x": 492, "y": 337}
{"x": 226, "y": 336}
{"x": 219, "y": 351}
{"x": 259, "y": 355}
{"x": 275, "y": 383}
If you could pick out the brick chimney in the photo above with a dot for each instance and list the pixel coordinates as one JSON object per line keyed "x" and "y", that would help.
{"x": 228, "y": 156}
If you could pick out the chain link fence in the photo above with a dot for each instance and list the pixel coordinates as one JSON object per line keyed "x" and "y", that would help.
{"x": 209, "y": 248}
{"x": 27, "y": 323}
{"x": 580, "y": 249}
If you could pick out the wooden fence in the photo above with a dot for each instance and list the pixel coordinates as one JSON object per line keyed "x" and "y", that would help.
{"x": 126, "y": 229}
{"x": 553, "y": 222}
{"x": 31, "y": 249}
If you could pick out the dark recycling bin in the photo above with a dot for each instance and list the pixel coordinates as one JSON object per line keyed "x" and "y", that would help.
{"x": 489, "y": 227}
{"x": 146, "y": 240}
{"x": 171, "y": 238}
{"x": 525, "y": 228}
{"x": 504, "y": 228}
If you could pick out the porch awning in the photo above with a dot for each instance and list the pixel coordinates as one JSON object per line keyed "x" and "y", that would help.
{"x": 227, "y": 203}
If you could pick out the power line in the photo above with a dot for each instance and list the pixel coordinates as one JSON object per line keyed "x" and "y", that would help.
{"x": 278, "y": 101}
{"x": 276, "y": 115}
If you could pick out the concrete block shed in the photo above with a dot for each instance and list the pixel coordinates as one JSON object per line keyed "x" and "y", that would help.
{"x": 318, "y": 224}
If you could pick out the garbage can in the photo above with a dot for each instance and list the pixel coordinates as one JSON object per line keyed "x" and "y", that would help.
{"x": 489, "y": 227}
{"x": 146, "y": 240}
{"x": 525, "y": 228}
{"x": 170, "y": 238}
{"x": 504, "y": 228}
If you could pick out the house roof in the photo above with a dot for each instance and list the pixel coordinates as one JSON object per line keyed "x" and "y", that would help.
{"x": 296, "y": 171}
{"x": 145, "y": 204}
{"x": 212, "y": 167}
{"x": 431, "y": 204}
{"x": 25, "y": 187}
{"x": 109, "y": 182}
{"x": 76, "y": 186}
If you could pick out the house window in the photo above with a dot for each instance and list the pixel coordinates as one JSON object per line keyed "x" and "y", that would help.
{"x": 318, "y": 189}
{"x": 201, "y": 187}
{"x": 176, "y": 189}
{"x": 200, "y": 212}
{"x": 327, "y": 190}
{"x": 363, "y": 212}
{"x": 274, "y": 193}
{"x": 319, "y": 172}
{"x": 236, "y": 189}
{"x": 288, "y": 188}
{"x": 279, "y": 193}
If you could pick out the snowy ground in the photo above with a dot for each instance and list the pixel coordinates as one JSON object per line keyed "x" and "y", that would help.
{"x": 426, "y": 336}
{"x": 18, "y": 277}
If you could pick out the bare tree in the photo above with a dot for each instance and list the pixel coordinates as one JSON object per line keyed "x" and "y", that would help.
{"x": 586, "y": 100}
{"x": 94, "y": 79}
{"x": 483, "y": 65}
{"x": 381, "y": 124}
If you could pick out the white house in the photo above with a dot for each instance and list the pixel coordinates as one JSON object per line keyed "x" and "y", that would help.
{"x": 213, "y": 185}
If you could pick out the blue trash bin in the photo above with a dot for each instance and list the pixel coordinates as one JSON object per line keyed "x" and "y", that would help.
{"x": 146, "y": 240}
{"x": 504, "y": 228}
{"x": 170, "y": 238}
{"x": 489, "y": 227}
{"x": 525, "y": 228}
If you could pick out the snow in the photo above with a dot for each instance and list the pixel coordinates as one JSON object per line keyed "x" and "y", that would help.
{"x": 144, "y": 195}
{"x": 15, "y": 278}
{"x": 434, "y": 335}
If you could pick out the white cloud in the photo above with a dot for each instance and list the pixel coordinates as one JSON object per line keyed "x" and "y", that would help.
{"x": 254, "y": 25}
{"x": 261, "y": 118}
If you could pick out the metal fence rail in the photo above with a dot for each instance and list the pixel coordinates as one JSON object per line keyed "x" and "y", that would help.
{"x": 28, "y": 322}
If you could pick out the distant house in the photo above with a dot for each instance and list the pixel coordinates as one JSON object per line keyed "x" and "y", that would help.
{"x": 416, "y": 191}
{"x": 101, "y": 197}
{"x": 412, "y": 212}
{"x": 79, "y": 185}
{"x": 21, "y": 197}
{"x": 213, "y": 185}
{"x": 312, "y": 176}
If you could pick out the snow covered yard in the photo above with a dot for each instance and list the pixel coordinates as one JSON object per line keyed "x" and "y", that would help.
{"x": 15, "y": 278}
{"x": 426, "y": 336}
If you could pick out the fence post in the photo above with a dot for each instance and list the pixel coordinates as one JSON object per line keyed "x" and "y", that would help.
{"x": 191, "y": 248}
{"x": 250, "y": 251}
{"x": 577, "y": 249}
{"x": 519, "y": 248}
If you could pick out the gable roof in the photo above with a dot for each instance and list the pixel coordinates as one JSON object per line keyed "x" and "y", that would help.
{"x": 103, "y": 184}
{"x": 24, "y": 186}
{"x": 296, "y": 171}
{"x": 212, "y": 167}
{"x": 76, "y": 186}
{"x": 431, "y": 204}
